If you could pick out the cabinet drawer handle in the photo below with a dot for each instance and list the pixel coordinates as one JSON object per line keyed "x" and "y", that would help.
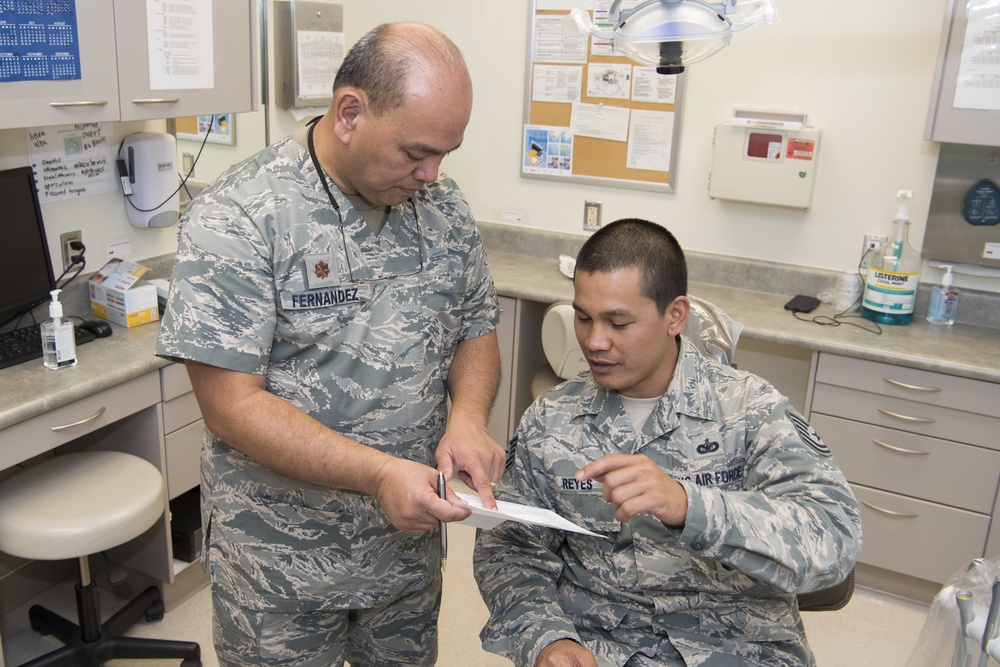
{"x": 905, "y": 515}
{"x": 78, "y": 423}
{"x": 156, "y": 100}
{"x": 913, "y": 387}
{"x": 921, "y": 420}
{"x": 899, "y": 449}
{"x": 81, "y": 103}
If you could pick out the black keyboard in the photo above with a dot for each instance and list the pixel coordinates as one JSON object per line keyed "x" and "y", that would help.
{"x": 25, "y": 344}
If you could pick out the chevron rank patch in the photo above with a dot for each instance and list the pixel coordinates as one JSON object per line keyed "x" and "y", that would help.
{"x": 808, "y": 434}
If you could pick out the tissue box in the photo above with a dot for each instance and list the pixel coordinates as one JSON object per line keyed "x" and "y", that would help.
{"x": 117, "y": 294}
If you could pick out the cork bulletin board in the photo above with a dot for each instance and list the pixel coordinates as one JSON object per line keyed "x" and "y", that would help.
{"x": 592, "y": 116}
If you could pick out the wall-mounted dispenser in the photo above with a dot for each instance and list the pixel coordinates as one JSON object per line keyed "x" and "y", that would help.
{"x": 963, "y": 224}
{"x": 308, "y": 49}
{"x": 765, "y": 157}
{"x": 147, "y": 166}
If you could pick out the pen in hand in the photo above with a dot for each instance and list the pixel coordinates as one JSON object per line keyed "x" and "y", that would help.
{"x": 443, "y": 492}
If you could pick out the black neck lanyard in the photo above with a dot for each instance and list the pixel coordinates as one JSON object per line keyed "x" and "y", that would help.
{"x": 340, "y": 218}
{"x": 319, "y": 168}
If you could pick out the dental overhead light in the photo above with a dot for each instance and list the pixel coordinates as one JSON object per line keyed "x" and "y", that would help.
{"x": 669, "y": 34}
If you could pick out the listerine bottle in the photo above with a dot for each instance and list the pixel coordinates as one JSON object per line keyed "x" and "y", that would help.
{"x": 891, "y": 284}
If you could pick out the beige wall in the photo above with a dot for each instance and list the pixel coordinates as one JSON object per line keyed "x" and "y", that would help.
{"x": 862, "y": 70}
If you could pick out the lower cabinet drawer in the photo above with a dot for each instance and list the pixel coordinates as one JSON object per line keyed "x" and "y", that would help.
{"x": 918, "y": 538}
{"x": 921, "y": 418}
{"x": 65, "y": 424}
{"x": 180, "y": 411}
{"x": 184, "y": 458}
{"x": 914, "y": 465}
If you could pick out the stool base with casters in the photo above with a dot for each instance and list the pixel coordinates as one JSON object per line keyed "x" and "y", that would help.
{"x": 93, "y": 643}
{"x": 78, "y": 504}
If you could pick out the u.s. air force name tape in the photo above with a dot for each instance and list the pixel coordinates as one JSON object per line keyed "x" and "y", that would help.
{"x": 324, "y": 298}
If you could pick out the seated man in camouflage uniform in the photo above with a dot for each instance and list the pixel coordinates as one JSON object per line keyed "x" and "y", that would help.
{"x": 715, "y": 500}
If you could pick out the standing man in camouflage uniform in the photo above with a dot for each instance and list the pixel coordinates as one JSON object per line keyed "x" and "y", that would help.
{"x": 715, "y": 501}
{"x": 329, "y": 295}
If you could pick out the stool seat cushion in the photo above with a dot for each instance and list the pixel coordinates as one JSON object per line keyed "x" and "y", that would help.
{"x": 79, "y": 504}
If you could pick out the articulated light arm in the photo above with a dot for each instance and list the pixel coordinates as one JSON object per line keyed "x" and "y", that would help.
{"x": 669, "y": 34}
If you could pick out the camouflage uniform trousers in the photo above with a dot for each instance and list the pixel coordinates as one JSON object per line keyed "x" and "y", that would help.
{"x": 399, "y": 632}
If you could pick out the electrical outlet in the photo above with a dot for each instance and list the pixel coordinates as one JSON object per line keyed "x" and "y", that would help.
{"x": 67, "y": 252}
{"x": 591, "y": 216}
{"x": 188, "y": 164}
{"x": 873, "y": 246}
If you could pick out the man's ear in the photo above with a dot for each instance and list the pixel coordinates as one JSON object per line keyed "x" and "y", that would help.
{"x": 349, "y": 109}
{"x": 677, "y": 314}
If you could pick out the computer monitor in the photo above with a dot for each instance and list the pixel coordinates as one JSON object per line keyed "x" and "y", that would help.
{"x": 25, "y": 266}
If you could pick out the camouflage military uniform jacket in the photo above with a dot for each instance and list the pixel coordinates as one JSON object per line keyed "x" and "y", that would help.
{"x": 268, "y": 281}
{"x": 769, "y": 514}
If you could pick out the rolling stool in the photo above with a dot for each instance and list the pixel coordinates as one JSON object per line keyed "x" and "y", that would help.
{"x": 75, "y": 505}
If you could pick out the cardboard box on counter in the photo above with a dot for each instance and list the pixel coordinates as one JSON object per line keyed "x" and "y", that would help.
{"x": 117, "y": 294}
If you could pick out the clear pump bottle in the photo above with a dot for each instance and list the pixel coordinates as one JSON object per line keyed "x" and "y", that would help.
{"x": 944, "y": 299}
{"x": 58, "y": 337}
{"x": 891, "y": 284}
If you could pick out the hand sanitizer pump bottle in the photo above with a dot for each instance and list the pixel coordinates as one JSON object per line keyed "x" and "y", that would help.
{"x": 891, "y": 284}
{"x": 944, "y": 299}
{"x": 58, "y": 337}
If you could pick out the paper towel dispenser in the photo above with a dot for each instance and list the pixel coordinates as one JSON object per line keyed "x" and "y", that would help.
{"x": 308, "y": 50}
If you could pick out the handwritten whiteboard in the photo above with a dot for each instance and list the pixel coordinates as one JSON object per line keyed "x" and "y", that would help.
{"x": 72, "y": 160}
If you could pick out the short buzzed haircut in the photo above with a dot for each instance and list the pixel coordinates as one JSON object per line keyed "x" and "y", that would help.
{"x": 632, "y": 242}
{"x": 381, "y": 62}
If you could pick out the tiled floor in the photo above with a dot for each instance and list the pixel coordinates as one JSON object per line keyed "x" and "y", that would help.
{"x": 874, "y": 630}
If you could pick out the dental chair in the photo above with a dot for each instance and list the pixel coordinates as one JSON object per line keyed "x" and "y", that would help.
{"x": 715, "y": 334}
{"x": 962, "y": 628}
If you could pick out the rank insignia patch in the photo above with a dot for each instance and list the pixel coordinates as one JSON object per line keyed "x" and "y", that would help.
{"x": 808, "y": 434}
{"x": 321, "y": 270}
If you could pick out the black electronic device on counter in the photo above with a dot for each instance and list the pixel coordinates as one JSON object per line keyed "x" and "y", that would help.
{"x": 99, "y": 328}
{"x": 800, "y": 303}
{"x": 25, "y": 344}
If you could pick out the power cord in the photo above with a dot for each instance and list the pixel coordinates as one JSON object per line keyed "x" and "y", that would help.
{"x": 843, "y": 317}
{"x": 78, "y": 261}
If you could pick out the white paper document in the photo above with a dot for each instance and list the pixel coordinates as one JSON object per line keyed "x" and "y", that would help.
{"x": 181, "y": 47}
{"x": 486, "y": 519}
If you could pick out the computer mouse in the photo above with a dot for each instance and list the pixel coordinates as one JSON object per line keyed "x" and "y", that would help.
{"x": 99, "y": 328}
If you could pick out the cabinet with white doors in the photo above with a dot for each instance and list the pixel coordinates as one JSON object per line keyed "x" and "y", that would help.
{"x": 154, "y": 416}
{"x": 921, "y": 452}
{"x": 115, "y": 84}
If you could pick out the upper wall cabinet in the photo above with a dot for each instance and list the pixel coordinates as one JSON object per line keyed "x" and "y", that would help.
{"x": 231, "y": 90}
{"x": 965, "y": 103}
{"x": 91, "y": 98}
{"x": 116, "y": 81}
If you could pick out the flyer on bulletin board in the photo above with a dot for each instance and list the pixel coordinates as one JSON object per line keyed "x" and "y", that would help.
{"x": 72, "y": 160}
{"x": 547, "y": 150}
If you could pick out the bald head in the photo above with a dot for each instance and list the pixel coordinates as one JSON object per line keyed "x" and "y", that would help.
{"x": 393, "y": 57}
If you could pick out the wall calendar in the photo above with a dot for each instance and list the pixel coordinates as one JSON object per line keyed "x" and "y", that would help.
{"x": 39, "y": 40}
